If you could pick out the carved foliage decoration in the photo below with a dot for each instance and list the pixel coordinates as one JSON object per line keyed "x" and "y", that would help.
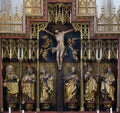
{"x": 35, "y": 28}
{"x": 83, "y": 28}
{"x": 33, "y": 7}
{"x": 85, "y": 7}
{"x": 20, "y": 49}
{"x": 11, "y": 22}
{"x": 104, "y": 50}
{"x": 108, "y": 24}
{"x": 51, "y": 71}
{"x": 59, "y": 12}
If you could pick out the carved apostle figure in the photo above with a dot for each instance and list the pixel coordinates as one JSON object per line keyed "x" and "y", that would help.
{"x": 46, "y": 80}
{"x": 107, "y": 85}
{"x": 28, "y": 85}
{"x": 90, "y": 86}
{"x": 71, "y": 80}
{"x": 11, "y": 83}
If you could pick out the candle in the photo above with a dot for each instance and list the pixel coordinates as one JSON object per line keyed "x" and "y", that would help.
{"x": 117, "y": 53}
{"x": 81, "y": 53}
{"x": 62, "y": 11}
{"x": 29, "y": 53}
{"x": 37, "y": 53}
{"x": 23, "y": 111}
{"x": 10, "y": 53}
{"x": 96, "y": 53}
{"x": 89, "y": 54}
{"x": 18, "y": 53}
{"x": 111, "y": 110}
{"x": 98, "y": 111}
{"x": 56, "y": 12}
{"x": 109, "y": 54}
{"x": 22, "y": 54}
{"x": 2, "y": 53}
{"x": 9, "y": 109}
{"x": 70, "y": 16}
{"x": 101, "y": 53}
{"x": 89, "y": 50}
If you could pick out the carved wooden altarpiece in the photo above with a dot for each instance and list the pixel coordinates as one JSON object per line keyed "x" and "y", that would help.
{"x": 32, "y": 77}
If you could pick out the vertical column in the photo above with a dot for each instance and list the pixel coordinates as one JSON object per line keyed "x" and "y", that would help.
{"x": 60, "y": 91}
{"x": 38, "y": 80}
{"x": 1, "y": 78}
{"x": 20, "y": 72}
{"x": 98, "y": 96}
{"x": 82, "y": 87}
{"x": 118, "y": 80}
{"x": 81, "y": 81}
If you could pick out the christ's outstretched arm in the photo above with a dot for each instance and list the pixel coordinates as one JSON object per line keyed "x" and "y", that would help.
{"x": 49, "y": 32}
{"x": 70, "y": 30}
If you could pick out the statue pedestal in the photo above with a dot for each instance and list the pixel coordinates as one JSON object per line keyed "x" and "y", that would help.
{"x": 12, "y": 105}
{"x": 46, "y": 105}
{"x": 72, "y": 104}
{"x": 107, "y": 104}
{"x": 29, "y": 105}
{"x": 90, "y": 105}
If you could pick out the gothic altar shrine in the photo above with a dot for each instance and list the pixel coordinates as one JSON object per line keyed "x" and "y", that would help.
{"x": 59, "y": 57}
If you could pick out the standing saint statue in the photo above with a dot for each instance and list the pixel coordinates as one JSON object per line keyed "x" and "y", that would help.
{"x": 107, "y": 85}
{"x": 59, "y": 36}
{"x": 28, "y": 85}
{"x": 90, "y": 86}
{"x": 11, "y": 82}
{"x": 46, "y": 86}
{"x": 71, "y": 80}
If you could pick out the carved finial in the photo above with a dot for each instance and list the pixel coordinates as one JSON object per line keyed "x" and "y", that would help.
{"x": 4, "y": 8}
{"x": 10, "y": 14}
{"x": 16, "y": 9}
{"x": 114, "y": 9}
{"x": 102, "y": 10}
{"x": 118, "y": 12}
{"x": 22, "y": 10}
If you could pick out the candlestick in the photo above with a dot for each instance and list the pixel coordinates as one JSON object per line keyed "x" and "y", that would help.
{"x": 9, "y": 109}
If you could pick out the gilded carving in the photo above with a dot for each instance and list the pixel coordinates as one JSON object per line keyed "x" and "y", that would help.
{"x": 11, "y": 82}
{"x": 85, "y": 8}
{"x": 33, "y": 7}
{"x": 59, "y": 12}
